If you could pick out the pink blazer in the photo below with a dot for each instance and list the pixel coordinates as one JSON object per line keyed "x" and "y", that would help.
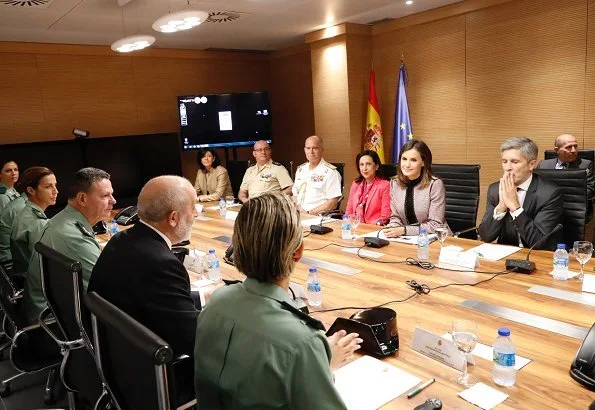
{"x": 377, "y": 202}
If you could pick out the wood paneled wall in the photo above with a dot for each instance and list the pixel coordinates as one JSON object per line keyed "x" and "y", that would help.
{"x": 518, "y": 68}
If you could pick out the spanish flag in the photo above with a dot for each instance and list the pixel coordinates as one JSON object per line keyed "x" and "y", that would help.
{"x": 373, "y": 135}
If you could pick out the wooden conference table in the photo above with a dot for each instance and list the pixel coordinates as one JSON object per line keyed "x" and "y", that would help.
{"x": 543, "y": 383}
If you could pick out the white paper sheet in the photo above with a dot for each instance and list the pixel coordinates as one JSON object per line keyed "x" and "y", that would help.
{"x": 487, "y": 352}
{"x": 368, "y": 383}
{"x": 483, "y": 396}
{"x": 589, "y": 283}
{"x": 571, "y": 274}
{"x": 493, "y": 252}
{"x": 216, "y": 207}
{"x": 231, "y": 215}
{"x": 411, "y": 240}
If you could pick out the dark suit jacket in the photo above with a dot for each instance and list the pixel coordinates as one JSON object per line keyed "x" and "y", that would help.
{"x": 580, "y": 163}
{"x": 542, "y": 211}
{"x": 139, "y": 274}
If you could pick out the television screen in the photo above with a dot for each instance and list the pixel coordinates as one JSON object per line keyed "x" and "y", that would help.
{"x": 224, "y": 120}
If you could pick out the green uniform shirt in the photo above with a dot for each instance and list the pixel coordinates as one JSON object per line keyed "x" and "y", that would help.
{"x": 71, "y": 234}
{"x": 7, "y": 217}
{"x": 26, "y": 230}
{"x": 252, "y": 353}
{"x": 6, "y": 195}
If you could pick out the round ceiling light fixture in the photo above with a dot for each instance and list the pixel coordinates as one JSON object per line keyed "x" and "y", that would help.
{"x": 132, "y": 43}
{"x": 181, "y": 20}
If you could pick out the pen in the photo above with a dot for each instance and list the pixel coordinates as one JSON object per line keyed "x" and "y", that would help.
{"x": 420, "y": 388}
{"x": 479, "y": 254}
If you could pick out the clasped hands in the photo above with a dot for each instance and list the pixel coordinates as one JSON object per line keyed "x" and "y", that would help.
{"x": 507, "y": 194}
{"x": 343, "y": 345}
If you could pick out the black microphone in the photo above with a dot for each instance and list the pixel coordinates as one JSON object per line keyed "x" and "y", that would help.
{"x": 318, "y": 228}
{"x": 525, "y": 265}
{"x": 456, "y": 234}
{"x": 376, "y": 242}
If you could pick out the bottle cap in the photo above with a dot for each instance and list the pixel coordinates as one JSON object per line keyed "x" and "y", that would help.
{"x": 346, "y": 216}
{"x": 503, "y": 331}
{"x": 561, "y": 246}
{"x": 313, "y": 270}
{"x": 422, "y": 230}
{"x": 113, "y": 221}
{"x": 211, "y": 250}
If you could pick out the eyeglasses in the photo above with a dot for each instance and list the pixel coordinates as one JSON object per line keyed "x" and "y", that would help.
{"x": 261, "y": 150}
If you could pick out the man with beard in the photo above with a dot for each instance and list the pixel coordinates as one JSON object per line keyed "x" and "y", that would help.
{"x": 138, "y": 272}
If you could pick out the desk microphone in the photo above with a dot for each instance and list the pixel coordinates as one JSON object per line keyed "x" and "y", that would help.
{"x": 456, "y": 234}
{"x": 318, "y": 228}
{"x": 525, "y": 265}
{"x": 376, "y": 242}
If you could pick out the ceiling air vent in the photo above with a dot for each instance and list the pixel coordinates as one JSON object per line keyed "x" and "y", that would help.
{"x": 221, "y": 16}
{"x": 26, "y": 3}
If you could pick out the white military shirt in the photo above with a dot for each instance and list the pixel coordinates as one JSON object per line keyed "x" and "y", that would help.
{"x": 314, "y": 187}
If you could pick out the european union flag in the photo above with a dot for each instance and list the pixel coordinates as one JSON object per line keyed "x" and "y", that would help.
{"x": 403, "y": 131}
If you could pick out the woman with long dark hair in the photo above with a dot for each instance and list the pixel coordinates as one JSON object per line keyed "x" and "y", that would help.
{"x": 212, "y": 180}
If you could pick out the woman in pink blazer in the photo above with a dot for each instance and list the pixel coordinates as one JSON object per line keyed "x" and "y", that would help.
{"x": 369, "y": 197}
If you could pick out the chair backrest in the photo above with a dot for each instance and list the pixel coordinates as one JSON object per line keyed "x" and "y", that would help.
{"x": 236, "y": 171}
{"x": 133, "y": 361}
{"x": 288, "y": 166}
{"x": 9, "y": 303}
{"x": 341, "y": 170}
{"x": 461, "y": 183}
{"x": 582, "y": 153}
{"x": 388, "y": 170}
{"x": 573, "y": 183}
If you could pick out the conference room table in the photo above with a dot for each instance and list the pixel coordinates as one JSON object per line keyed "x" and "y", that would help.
{"x": 543, "y": 383}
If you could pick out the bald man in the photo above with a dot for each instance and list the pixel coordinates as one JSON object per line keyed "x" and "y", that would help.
{"x": 317, "y": 185}
{"x": 266, "y": 176}
{"x": 138, "y": 272}
{"x": 566, "y": 148}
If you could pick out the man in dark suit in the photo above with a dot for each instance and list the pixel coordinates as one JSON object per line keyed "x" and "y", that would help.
{"x": 566, "y": 148}
{"x": 522, "y": 207}
{"x": 138, "y": 272}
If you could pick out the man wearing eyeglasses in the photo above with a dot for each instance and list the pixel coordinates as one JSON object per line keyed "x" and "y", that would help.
{"x": 265, "y": 176}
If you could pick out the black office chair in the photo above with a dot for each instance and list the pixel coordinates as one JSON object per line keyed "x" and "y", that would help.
{"x": 288, "y": 166}
{"x": 388, "y": 170}
{"x": 236, "y": 171}
{"x": 461, "y": 183}
{"x": 341, "y": 169}
{"x": 573, "y": 183}
{"x": 134, "y": 363}
{"x": 62, "y": 286}
{"x": 31, "y": 350}
{"x": 582, "y": 153}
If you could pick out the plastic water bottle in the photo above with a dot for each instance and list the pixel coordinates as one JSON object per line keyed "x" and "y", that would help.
{"x": 503, "y": 372}
{"x": 313, "y": 289}
{"x": 561, "y": 263}
{"x": 222, "y": 207}
{"x": 213, "y": 262}
{"x": 346, "y": 227}
{"x": 113, "y": 228}
{"x": 423, "y": 250}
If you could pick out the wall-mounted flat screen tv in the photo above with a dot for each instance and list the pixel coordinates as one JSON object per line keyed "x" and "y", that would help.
{"x": 224, "y": 120}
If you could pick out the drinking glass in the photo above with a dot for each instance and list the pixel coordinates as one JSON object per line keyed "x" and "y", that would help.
{"x": 464, "y": 334}
{"x": 441, "y": 234}
{"x": 355, "y": 221}
{"x": 229, "y": 200}
{"x": 582, "y": 252}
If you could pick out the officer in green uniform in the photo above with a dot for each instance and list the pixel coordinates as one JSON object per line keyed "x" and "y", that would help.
{"x": 6, "y": 219}
{"x": 40, "y": 187}
{"x": 254, "y": 349}
{"x": 9, "y": 175}
{"x": 70, "y": 232}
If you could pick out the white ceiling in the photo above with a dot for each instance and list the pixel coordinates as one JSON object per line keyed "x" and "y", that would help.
{"x": 263, "y": 24}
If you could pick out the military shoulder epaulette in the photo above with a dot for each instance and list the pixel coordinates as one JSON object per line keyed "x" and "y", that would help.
{"x": 277, "y": 163}
{"x": 329, "y": 165}
{"x": 39, "y": 213}
{"x": 84, "y": 230}
{"x": 301, "y": 165}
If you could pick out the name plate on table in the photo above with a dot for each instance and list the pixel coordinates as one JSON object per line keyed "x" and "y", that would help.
{"x": 437, "y": 348}
{"x": 453, "y": 255}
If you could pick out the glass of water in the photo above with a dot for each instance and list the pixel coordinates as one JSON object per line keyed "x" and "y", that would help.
{"x": 583, "y": 251}
{"x": 441, "y": 234}
{"x": 464, "y": 334}
{"x": 355, "y": 221}
{"x": 229, "y": 200}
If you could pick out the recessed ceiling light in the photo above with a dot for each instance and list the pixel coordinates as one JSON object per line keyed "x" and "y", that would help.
{"x": 132, "y": 43}
{"x": 181, "y": 20}
{"x": 409, "y": 2}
